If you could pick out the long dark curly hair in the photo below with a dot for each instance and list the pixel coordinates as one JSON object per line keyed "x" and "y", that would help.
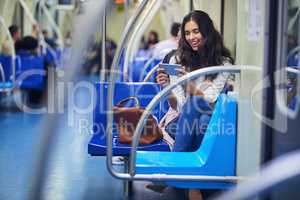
{"x": 212, "y": 53}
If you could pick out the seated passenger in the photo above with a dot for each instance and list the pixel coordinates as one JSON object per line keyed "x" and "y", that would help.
{"x": 163, "y": 47}
{"x": 28, "y": 46}
{"x": 200, "y": 46}
{"x": 15, "y": 33}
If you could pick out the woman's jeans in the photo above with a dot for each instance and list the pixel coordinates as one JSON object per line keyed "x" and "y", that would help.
{"x": 190, "y": 127}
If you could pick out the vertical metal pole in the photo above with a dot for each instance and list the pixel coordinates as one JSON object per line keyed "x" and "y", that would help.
{"x": 103, "y": 54}
{"x": 191, "y": 5}
{"x": 222, "y": 17}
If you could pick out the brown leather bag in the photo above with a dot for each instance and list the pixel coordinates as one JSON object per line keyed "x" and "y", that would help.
{"x": 127, "y": 119}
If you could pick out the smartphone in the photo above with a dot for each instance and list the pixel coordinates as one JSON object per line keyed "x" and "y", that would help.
{"x": 171, "y": 69}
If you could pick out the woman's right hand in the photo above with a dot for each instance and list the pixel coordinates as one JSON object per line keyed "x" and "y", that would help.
{"x": 162, "y": 78}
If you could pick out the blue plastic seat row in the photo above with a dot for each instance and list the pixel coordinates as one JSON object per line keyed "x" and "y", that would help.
{"x": 145, "y": 92}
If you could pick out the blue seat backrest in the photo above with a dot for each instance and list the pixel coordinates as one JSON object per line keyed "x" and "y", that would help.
{"x": 219, "y": 141}
{"x": 6, "y": 62}
{"x": 293, "y": 103}
{"x": 29, "y": 63}
{"x": 144, "y": 91}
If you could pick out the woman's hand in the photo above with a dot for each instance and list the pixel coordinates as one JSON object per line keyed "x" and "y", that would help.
{"x": 162, "y": 78}
{"x": 190, "y": 86}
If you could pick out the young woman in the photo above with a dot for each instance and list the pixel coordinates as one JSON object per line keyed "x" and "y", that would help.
{"x": 200, "y": 46}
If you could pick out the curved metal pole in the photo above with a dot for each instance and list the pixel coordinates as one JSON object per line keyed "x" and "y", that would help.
{"x": 165, "y": 177}
{"x": 138, "y": 32}
{"x": 278, "y": 171}
{"x": 53, "y": 24}
{"x": 33, "y": 21}
{"x": 2, "y": 73}
{"x": 152, "y": 71}
{"x": 12, "y": 47}
{"x": 165, "y": 91}
{"x": 103, "y": 59}
{"x": 50, "y": 123}
{"x": 131, "y": 23}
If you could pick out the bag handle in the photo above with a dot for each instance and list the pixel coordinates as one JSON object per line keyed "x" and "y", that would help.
{"x": 122, "y": 102}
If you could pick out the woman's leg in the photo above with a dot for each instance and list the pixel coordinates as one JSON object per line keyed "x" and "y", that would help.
{"x": 192, "y": 122}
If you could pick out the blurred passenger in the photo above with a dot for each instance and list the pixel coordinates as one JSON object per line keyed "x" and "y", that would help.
{"x": 28, "y": 45}
{"x": 94, "y": 56}
{"x": 191, "y": 105}
{"x": 68, "y": 39}
{"x": 152, "y": 39}
{"x": 49, "y": 40}
{"x": 35, "y": 30}
{"x": 15, "y": 33}
{"x": 164, "y": 47}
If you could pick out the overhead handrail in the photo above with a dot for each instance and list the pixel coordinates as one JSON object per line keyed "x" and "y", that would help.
{"x": 124, "y": 37}
{"x": 137, "y": 33}
{"x": 276, "y": 172}
{"x": 12, "y": 47}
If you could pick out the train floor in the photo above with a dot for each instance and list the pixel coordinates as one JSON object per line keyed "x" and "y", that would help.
{"x": 71, "y": 173}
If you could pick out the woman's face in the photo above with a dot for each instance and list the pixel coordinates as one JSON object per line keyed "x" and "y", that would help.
{"x": 193, "y": 36}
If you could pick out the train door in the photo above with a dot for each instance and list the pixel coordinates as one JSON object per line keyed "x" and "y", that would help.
{"x": 281, "y": 97}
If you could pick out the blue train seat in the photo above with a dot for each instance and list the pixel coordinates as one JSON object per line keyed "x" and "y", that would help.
{"x": 293, "y": 60}
{"x": 292, "y": 103}
{"x": 137, "y": 71}
{"x": 31, "y": 62}
{"x": 6, "y": 85}
{"x": 52, "y": 56}
{"x": 145, "y": 92}
{"x": 215, "y": 157}
{"x": 6, "y": 62}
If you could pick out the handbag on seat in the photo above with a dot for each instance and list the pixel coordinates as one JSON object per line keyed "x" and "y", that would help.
{"x": 127, "y": 119}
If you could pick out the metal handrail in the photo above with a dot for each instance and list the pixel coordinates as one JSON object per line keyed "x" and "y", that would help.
{"x": 151, "y": 105}
{"x": 124, "y": 37}
{"x": 53, "y": 24}
{"x": 2, "y": 73}
{"x": 103, "y": 48}
{"x": 33, "y": 21}
{"x": 137, "y": 33}
{"x": 165, "y": 91}
{"x": 152, "y": 71}
{"x": 12, "y": 47}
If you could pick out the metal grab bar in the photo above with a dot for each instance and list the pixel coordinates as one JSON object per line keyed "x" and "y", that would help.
{"x": 151, "y": 105}
{"x": 12, "y": 47}
{"x": 103, "y": 47}
{"x": 2, "y": 73}
{"x": 278, "y": 171}
{"x": 137, "y": 33}
{"x": 165, "y": 91}
{"x": 152, "y": 71}
{"x": 53, "y": 24}
{"x": 33, "y": 21}
{"x": 124, "y": 37}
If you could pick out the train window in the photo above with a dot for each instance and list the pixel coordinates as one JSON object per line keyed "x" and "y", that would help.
{"x": 290, "y": 57}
